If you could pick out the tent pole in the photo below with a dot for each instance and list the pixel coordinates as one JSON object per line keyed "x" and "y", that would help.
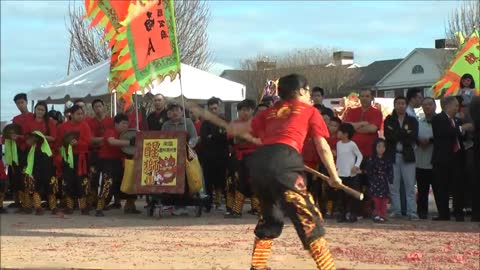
{"x": 115, "y": 103}
{"x": 183, "y": 101}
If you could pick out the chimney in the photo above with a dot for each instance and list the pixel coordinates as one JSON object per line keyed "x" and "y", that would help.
{"x": 342, "y": 58}
{"x": 448, "y": 44}
{"x": 266, "y": 65}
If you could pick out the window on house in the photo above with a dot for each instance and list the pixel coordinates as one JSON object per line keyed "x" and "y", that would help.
{"x": 417, "y": 69}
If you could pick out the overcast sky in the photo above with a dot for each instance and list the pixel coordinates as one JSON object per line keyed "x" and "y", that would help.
{"x": 34, "y": 39}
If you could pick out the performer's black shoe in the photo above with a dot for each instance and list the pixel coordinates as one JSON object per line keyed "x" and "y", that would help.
{"x": 27, "y": 211}
{"x": 99, "y": 213}
{"x": 85, "y": 212}
{"x": 4, "y": 211}
{"x": 441, "y": 218}
{"x": 459, "y": 218}
{"x": 54, "y": 211}
{"x": 232, "y": 215}
{"x": 114, "y": 206}
{"x": 14, "y": 205}
{"x": 132, "y": 211}
{"x": 68, "y": 211}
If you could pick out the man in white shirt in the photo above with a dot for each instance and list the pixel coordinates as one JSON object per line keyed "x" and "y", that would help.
{"x": 423, "y": 157}
{"x": 414, "y": 101}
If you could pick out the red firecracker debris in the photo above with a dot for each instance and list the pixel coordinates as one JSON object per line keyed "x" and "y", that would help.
{"x": 414, "y": 256}
{"x": 457, "y": 259}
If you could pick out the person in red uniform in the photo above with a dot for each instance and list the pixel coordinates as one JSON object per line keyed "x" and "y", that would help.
{"x": 331, "y": 193}
{"x": 75, "y": 157}
{"x": 15, "y": 171}
{"x": 276, "y": 169}
{"x": 3, "y": 183}
{"x": 367, "y": 122}
{"x": 242, "y": 150}
{"x": 98, "y": 125}
{"x": 48, "y": 183}
{"x": 111, "y": 158}
{"x": 311, "y": 158}
{"x": 80, "y": 102}
{"x": 131, "y": 112}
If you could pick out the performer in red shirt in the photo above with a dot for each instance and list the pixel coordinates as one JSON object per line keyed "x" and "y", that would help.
{"x": 39, "y": 173}
{"x": 276, "y": 170}
{"x": 43, "y": 123}
{"x": 46, "y": 178}
{"x": 15, "y": 171}
{"x": 75, "y": 165}
{"x": 98, "y": 126}
{"x": 111, "y": 158}
{"x": 242, "y": 150}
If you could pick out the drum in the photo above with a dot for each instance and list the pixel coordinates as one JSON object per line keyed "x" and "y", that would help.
{"x": 193, "y": 172}
{"x": 128, "y": 181}
{"x": 69, "y": 136}
{"x": 127, "y": 135}
{"x": 10, "y": 130}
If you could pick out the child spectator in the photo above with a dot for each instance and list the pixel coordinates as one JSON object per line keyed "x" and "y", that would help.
{"x": 331, "y": 193}
{"x": 380, "y": 174}
{"x": 349, "y": 159}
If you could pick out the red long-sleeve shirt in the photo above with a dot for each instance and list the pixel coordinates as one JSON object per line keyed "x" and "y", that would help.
{"x": 23, "y": 120}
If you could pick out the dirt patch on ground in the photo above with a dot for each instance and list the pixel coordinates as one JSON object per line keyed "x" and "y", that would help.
{"x": 118, "y": 241}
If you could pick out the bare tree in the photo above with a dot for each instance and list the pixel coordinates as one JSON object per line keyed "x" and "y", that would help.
{"x": 192, "y": 18}
{"x": 463, "y": 19}
{"x": 85, "y": 44}
{"x": 305, "y": 57}
{"x": 312, "y": 63}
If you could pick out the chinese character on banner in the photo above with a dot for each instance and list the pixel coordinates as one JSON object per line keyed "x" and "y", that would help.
{"x": 144, "y": 47}
{"x": 150, "y": 39}
{"x": 159, "y": 164}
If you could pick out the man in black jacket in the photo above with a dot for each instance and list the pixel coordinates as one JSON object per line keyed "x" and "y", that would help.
{"x": 401, "y": 132}
{"x": 475, "y": 114}
{"x": 156, "y": 118}
{"x": 447, "y": 159}
{"x": 214, "y": 154}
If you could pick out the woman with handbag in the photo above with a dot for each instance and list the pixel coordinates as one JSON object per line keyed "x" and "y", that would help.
{"x": 401, "y": 131}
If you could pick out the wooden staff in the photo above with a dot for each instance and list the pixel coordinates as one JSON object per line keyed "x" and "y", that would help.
{"x": 222, "y": 123}
{"x": 356, "y": 194}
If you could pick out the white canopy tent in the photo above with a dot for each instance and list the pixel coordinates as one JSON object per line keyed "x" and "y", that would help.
{"x": 92, "y": 82}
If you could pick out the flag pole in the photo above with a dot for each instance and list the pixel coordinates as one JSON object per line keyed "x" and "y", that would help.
{"x": 136, "y": 110}
{"x": 183, "y": 101}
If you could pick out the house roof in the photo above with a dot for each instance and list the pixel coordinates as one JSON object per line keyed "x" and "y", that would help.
{"x": 441, "y": 57}
{"x": 374, "y": 72}
{"x": 438, "y": 56}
